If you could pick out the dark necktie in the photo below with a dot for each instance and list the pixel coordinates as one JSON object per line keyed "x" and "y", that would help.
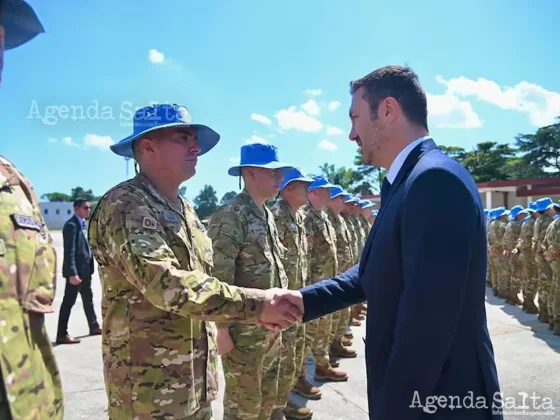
{"x": 84, "y": 231}
{"x": 385, "y": 187}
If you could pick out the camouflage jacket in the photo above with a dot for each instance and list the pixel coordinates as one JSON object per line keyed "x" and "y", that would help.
{"x": 552, "y": 244}
{"x": 495, "y": 237}
{"x": 344, "y": 252}
{"x": 360, "y": 234}
{"x": 356, "y": 254}
{"x": 539, "y": 232}
{"x": 30, "y": 375}
{"x": 155, "y": 260}
{"x": 248, "y": 253}
{"x": 511, "y": 235}
{"x": 525, "y": 241}
{"x": 365, "y": 227}
{"x": 291, "y": 232}
{"x": 321, "y": 239}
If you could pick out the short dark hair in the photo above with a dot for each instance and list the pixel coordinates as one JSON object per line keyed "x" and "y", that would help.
{"x": 398, "y": 82}
{"x": 79, "y": 202}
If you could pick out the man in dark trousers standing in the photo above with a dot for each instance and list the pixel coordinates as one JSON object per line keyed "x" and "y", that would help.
{"x": 423, "y": 267}
{"x": 77, "y": 269}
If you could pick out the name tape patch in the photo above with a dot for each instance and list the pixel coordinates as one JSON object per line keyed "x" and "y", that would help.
{"x": 27, "y": 222}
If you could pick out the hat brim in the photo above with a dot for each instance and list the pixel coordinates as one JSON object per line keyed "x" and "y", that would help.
{"x": 301, "y": 179}
{"x": 337, "y": 195}
{"x": 367, "y": 206}
{"x": 236, "y": 170}
{"x": 327, "y": 185}
{"x": 20, "y": 23}
{"x": 205, "y": 137}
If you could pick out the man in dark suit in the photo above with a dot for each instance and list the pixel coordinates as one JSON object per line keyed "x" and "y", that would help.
{"x": 423, "y": 267}
{"x": 77, "y": 269}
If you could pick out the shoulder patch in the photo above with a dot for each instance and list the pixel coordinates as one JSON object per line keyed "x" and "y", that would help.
{"x": 149, "y": 223}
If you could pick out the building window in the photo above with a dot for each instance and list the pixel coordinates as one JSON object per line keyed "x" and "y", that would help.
{"x": 68, "y": 211}
{"x": 46, "y": 211}
{"x": 57, "y": 211}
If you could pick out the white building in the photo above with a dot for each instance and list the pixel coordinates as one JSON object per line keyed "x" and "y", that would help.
{"x": 56, "y": 213}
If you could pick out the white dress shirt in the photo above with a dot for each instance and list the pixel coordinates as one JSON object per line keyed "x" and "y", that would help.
{"x": 401, "y": 157}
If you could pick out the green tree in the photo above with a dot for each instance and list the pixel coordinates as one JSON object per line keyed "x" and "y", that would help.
{"x": 542, "y": 149}
{"x": 206, "y": 202}
{"x": 487, "y": 161}
{"x": 227, "y": 196}
{"x": 369, "y": 177}
{"x": 56, "y": 196}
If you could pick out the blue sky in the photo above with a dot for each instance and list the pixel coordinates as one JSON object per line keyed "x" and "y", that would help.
{"x": 262, "y": 70}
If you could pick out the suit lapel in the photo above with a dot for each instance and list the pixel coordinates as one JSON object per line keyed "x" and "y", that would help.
{"x": 411, "y": 161}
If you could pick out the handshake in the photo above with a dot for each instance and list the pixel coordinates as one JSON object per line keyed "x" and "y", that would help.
{"x": 281, "y": 309}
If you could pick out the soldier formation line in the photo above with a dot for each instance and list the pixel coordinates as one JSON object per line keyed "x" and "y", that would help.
{"x": 523, "y": 251}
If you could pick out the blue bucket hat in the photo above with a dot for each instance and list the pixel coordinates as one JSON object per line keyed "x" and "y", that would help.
{"x": 366, "y": 204}
{"x": 533, "y": 206}
{"x": 319, "y": 181}
{"x": 515, "y": 210}
{"x": 20, "y": 23}
{"x": 499, "y": 212}
{"x": 158, "y": 116}
{"x": 375, "y": 212}
{"x": 544, "y": 204}
{"x": 295, "y": 174}
{"x": 259, "y": 155}
{"x": 351, "y": 199}
{"x": 337, "y": 191}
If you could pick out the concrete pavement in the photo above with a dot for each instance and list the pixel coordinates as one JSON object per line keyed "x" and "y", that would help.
{"x": 527, "y": 355}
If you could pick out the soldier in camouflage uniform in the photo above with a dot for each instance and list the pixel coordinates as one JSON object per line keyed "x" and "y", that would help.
{"x": 511, "y": 237}
{"x": 495, "y": 249}
{"x": 358, "y": 311}
{"x": 552, "y": 246}
{"x": 248, "y": 253}
{"x": 345, "y": 259}
{"x": 291, "y": 231}
{"x": 30, "y": 386}
{"x": 487, "y": 215}
{"x": 545, "y": 207}
{"x": 323, "y": 264}
{"x": 525, "y": 250}
{"x": 155, "y": 260}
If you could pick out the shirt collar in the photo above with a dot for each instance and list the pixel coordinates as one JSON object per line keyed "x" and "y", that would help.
{"x": 82, "y": 221}
{"x": 401, "y": 157}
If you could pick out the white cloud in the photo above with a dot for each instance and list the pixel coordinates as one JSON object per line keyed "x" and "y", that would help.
{"x": 261, "y": 118}
{"x": 69, "y": 142}
{"x": 334, "y": 105}
{"x": 313, "y": 92}
{"x": 101, "y": 142}
{"x": 447, "y": 111}
{"x": 311, "y": 107}
{"x": 255, "y": 139}
{"x": 156, "y": 57}
{"x": 289, "y": 119}
{"x": 334, "y": 131}
{"x": 327, "y": 145}
{"x": 542, "y": 105}
{"x": 235, "y": 160}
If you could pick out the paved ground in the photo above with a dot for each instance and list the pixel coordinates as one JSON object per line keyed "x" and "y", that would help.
{"x": 527, "y": 355}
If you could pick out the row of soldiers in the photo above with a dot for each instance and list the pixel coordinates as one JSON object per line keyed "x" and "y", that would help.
{"x": 524, "y": 258}
{"x": 312, "y": 231}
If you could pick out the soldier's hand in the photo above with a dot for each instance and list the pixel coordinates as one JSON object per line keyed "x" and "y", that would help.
{"x": 75, "y": 280}
{"x": 224, "y": 341}
{"x": 505, "y": 253}
{"x": 549, "y": 256}
{"x": 282, "y": 308}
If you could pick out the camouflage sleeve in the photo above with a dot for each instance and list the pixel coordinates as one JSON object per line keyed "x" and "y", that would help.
{"x": 554, "y": 242}
{"x": 140, "y": 250}
{"x": 227, "y": 237}
{"x": 535, "y": 238}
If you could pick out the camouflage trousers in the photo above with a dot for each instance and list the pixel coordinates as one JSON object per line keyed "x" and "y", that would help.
{"x": 203, "y": 413}
{"x": 340, "y": 325}
{"x": 516, "y": 274}
{"x": 502, "y": 276}
{"x": 554, "y": 298}
{"x": 251, "y": 374}
{"x": 494, "y": 269}
{"x": 291, "y": 362}
{"x": 545, "y": 284}
{"x": 318, "y": 334}
{"x": 529, "y": 283}
{"x": 489, "y": 270}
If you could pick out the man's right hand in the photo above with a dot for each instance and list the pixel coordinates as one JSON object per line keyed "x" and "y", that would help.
{"x": 75, "y": 280}
{"x": 282, "y": 308}
{"x": 224, "y": 341}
